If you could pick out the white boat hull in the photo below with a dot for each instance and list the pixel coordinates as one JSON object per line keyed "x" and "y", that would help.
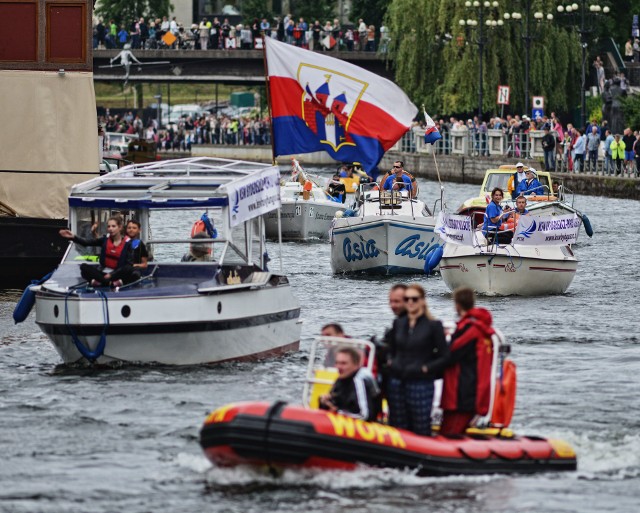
{"x": 174, "y": 330}
{"x": 382, "y": 244}
{"x": 511, "y": 270}
{"x": 302, "y": 220}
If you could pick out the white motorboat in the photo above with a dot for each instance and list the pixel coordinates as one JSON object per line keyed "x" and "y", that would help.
{"x": 550, "y": 202}
{"x": 306, "y": 210}
{"x": 387, "y": 233}
{"x": 538, "y": 261}
{"x": 227, "y": 307}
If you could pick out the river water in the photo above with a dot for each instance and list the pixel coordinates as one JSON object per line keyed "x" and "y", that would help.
{"x": 126, "y": 439}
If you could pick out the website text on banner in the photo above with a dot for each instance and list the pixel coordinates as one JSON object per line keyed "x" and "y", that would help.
{"x": 454, "y": 229}
{"x": 320, "y": 103}
{"x": 254, "y": 195}
{"x": 547, "y": 230}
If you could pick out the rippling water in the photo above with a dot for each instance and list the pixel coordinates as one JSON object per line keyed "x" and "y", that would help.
{"x": 127, "y": 439}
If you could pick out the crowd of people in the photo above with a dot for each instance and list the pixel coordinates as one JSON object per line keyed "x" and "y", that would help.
{"x": 414, "y": 354}
{"x": 214, "y": 34}
{"x": 564, "y": 145}
{"x": 211, "y": 128}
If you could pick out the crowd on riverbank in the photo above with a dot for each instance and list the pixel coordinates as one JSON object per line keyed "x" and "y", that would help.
{"x": 212, "y": 34}
{"x": 565, "y": 146}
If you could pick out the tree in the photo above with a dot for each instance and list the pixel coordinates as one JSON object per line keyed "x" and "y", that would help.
{"x": 126, "y": 11}
{"x": 436, "y": 59}
{"x": 312, "y": 10}
{"x": 371, "y": 11}
{"x": 255, "y": 9}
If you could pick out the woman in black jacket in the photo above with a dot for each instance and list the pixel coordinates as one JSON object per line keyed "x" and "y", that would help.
{"x": 116, "y": 256}
{"x": 417, "y": 353}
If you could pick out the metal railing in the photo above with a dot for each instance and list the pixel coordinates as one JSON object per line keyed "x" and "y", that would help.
{"x": 525, "y": 146}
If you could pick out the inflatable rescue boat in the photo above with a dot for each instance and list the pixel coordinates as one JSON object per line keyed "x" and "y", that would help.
{"x": 280, "y": 435}
{"x": 284, "y": 436}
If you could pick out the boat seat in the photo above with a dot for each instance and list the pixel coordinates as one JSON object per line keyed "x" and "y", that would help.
{"x": 257, "y": 277}
{"x": 390, "y": 198}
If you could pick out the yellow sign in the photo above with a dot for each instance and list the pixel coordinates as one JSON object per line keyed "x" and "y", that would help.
{"x": 367, "y": 431}
{"x": 169, "y": 38}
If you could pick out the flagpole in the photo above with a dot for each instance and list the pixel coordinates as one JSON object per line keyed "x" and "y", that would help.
{"x": 266, "y": 79}
{"x": 435, "y": 160}
{"x": 273, "y": 146}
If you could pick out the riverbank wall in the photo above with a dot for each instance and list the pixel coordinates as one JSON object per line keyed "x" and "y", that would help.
{"x": 452, "y": 168}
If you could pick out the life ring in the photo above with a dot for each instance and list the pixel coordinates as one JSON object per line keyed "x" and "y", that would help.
{"x": 414, "y": 192}
{"x": 540, "y": 197}
{"x": 504, "y": 400}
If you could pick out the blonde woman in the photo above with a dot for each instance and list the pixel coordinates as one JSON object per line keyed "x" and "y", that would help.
{"x": 417, "y": 354}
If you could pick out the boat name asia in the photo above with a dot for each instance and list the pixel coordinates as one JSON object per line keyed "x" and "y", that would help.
{"x": 411, "y": 247}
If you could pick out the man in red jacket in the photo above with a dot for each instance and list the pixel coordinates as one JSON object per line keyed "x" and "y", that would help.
{"x": 467, "y": 378}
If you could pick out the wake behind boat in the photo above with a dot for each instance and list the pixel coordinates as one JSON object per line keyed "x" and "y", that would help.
{"x": 387, "y": 233}
{"x": 223, "y": 305}
{"x": 306, "y": 210}
{"x": 283, "y": 436}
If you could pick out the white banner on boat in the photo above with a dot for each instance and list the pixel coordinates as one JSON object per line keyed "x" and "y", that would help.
{"x": 254, "y": 195}
{"x": 547, "y": 230}
{"x": 455, "y": 229}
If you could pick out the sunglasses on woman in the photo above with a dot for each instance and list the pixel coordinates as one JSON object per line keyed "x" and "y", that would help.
{"x": 412, "y": 299}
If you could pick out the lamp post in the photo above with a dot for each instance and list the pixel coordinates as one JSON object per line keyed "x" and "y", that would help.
{"x": 482, "y": 39}
{"x": 527, "y": 36}
{"x": 158, "y": 98}
{"x": 586, "y": 18}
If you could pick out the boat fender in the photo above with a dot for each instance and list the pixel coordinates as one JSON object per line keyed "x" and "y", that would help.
{"x": 587, "y": 225}
{"x": 433, "y": 259}
{"x": 504, "y": 401}
{"x": 27, "y": 300}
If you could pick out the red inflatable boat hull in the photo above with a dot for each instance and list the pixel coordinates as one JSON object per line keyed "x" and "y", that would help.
{"x": 280, "y": 435}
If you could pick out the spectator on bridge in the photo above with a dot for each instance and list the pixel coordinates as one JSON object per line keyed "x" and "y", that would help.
{"x": 204, "y": 31}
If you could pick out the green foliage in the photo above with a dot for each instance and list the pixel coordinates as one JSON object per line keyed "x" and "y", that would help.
{"x": 312, "y": 10}
{"x": 594, "y": 108}
{"x": 437, "y": 60}
{"x": 371, "y": 11}
{"x": 256, "y": 9}
{"x": 126, "y": 11}
{"x": 631, "y": 110}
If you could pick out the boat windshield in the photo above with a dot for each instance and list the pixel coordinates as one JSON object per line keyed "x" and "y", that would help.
{"x": 502, "y": 179}
{"x": 167, "y": 235}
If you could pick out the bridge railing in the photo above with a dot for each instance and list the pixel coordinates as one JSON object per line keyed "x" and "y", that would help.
{"x": 525, "y": 146}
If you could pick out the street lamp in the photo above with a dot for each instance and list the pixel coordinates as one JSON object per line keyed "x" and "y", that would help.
{"x": 527, "y": 35}
{"x": 158, "y": 98}
{"x": 587, "y": 17}
{"x": 482, "y": 39}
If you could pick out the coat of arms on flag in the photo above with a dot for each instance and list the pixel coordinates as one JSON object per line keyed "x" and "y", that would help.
{"x": 320, "y": 103}
{"x": 328, "y": 102}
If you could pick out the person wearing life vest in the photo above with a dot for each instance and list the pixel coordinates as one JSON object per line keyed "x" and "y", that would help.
{"x": 617, "y": 148}
{"x": 514, "y": 216}
{"x": 530, "y": 185}
{"x": 494, "y": 215}
{"x": 466, "y": 388}
{"x": 398, "y": 180}
{"x": 355, "y": 393}
{"x": 140, "y": 253}
{"x": 336, "y": 189}
{"x": 515, "y": 180}
{"x": 116, "y": 256}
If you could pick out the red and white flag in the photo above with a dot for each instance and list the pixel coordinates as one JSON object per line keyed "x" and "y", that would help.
{"x": 321, "y": 103}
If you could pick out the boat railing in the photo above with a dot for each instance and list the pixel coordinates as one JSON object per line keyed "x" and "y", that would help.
{"x": 321, "y": 372}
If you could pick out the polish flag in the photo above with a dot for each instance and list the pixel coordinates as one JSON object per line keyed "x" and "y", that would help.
{"x": 321, "y": 103}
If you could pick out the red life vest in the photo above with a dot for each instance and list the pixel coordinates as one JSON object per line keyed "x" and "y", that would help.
{"x": 112, "y": 253}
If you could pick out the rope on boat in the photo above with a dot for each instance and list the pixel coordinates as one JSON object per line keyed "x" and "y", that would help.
{"x": 90, "y": 355}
